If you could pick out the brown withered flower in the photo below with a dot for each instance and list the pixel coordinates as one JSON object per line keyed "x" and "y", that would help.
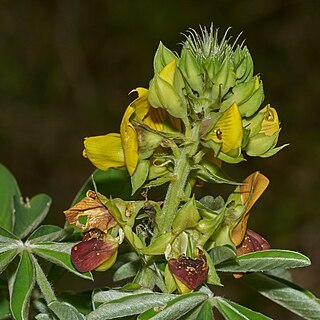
{"x": 252, "y": 242}
{"x": 94, "y": 250}
{"x": 90, "y": 213}
{"x": 97, "y": 249}
{"x": 191, "y": 272}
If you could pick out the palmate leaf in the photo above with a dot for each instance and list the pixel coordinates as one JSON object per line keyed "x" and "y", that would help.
{"x": 233, "y": 311}
{"x": 265, "y": 260}
{"x": 21, "y": 285}
{"x": 9, "y": 190}
{"x": 59, "y": 254}
{"x": 286, "y": 294}
{"x": 28, "y": 216}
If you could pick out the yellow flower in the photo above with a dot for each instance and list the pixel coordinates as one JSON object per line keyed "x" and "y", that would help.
{"x": 228, "y": 130}
{"x": 121, "y": 150}
{"x": 104, "y": 151}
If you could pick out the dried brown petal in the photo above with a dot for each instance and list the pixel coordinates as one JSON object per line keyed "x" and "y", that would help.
{"x": 252, "y": 242}
{"x": 92, "y": 251}
{"x": 94, "y": 213}
{"x": 191, "y": 272}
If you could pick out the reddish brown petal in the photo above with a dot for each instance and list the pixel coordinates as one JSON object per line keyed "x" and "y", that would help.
{"x": 251, "y": 242}
{"x": 191, "y": 272}
{"x": 94, "y": 213}
{"x": 91, "y": 252}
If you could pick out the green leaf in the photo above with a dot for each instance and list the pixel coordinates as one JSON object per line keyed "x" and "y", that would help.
{"x": 48, "y": 233}
{"x": 220, "y": 254}
{"x": 280, "y": 273}
{"x": 129, "y": 305}
{"x": 31, "y": 214}
{"x": 202, "y": 312}
{"x": 4, "y": 309}
{"x": 6, "y": 257}
{"x": 286, "y": 294}
{"x": 265, "y": 260}
{"x": 212, "y": 173}
{"x": 64, "y": 311}
{"x": 233, "y": 311}
{"x": 127, "y": 270}
{"x": 58, "y": 253}
{"x": 44, "y": 316}
{"x": 140, "y": 175}
{"x": 21, "y": 285}
{"x": 175, "y": 308}
{"x": 6, "y": 237}
{"x": 43, "y": 283}
{"x": 9, "y": 190}
{"x": 113, "y": 182}
{"x": 110, "y": 295}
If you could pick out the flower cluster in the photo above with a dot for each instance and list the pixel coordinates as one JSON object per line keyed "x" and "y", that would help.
{"x": 202, "y": 108}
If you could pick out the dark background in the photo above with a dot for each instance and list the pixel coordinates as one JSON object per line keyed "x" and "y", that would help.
{"x": 66, "y": 68}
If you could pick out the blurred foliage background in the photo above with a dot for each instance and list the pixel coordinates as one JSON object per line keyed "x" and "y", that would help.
{"x": 66, "y": 68}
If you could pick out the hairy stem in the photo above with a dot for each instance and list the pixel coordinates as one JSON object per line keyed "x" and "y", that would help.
{"x": 175, "y": 192}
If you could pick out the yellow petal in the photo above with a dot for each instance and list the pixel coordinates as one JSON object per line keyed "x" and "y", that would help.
{"x": 167, "y": 73}
{"x": 251, "y": 189}
{"x": 270, "y": 122}
{"x": 129, "y": 141}
{"x": 104, "y": 151}
{"x": 228, "y": 130}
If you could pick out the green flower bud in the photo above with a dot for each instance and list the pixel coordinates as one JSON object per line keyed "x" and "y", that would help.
{"x": 162, "y": 93}
{"x": 264, "y": 131}
{"x": 162, "y": 57}
{"x": 191, "y": 70}
{"x": 248, "y": 96}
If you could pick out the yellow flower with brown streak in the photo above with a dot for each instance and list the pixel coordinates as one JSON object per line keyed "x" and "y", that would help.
{"x": 121, "y": 150}
{"x": 228, "y": 131}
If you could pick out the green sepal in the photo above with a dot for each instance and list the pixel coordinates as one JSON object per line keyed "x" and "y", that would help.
{"x": 187, "y": 217}
{"x": 212, "y": 277}
{"x": 158, "y": 246}
{"x": 209, "y": 171}
{"x": 271, "y": 152}
{"x": 225, "y": 78}
{"x": 169, "y": 280}
{"x": 162, "y": 57}
{"x": 140, "y": 175}
{"x": 249, "y": 107}
{"x": 260, "y": 144}
{"x": 191, "y": 70}
{"x": 221, "y": 254}
{"x": 163, "y": 95}
{"x": 240, "y": 94}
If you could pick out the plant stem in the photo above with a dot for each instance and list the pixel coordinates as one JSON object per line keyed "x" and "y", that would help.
{"x": 175, "y": 192}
